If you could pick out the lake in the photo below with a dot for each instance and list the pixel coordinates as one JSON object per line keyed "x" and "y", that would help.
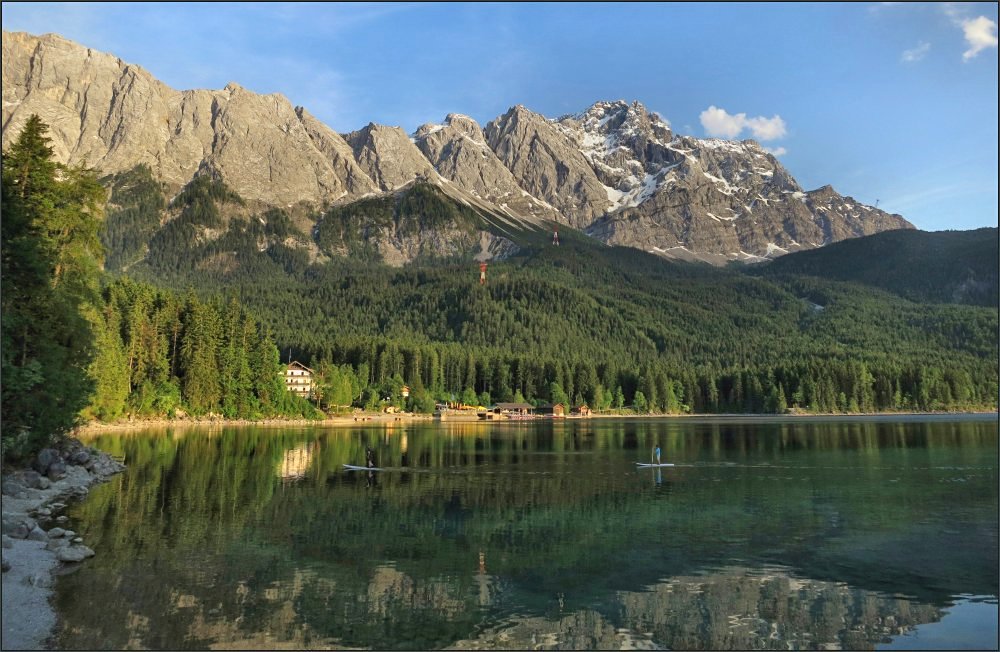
{"x": 866, "y": 533}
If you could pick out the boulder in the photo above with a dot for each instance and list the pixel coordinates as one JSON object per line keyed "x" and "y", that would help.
{"x": 103, "y": 465}
{"x": 44, "y": 483}
{"x": 37, "y": 534}
{"x": 56, "y": 532}
{"x": 31, "y": 479}
{"x": 57, "y": 470}
{"x": 45, "y": 458}
{"x": 74, "y": 553}
{"x": 56, "y": 544}
{"x": 79, "y": 458}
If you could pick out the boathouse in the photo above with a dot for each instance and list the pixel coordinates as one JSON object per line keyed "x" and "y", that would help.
{"x": 513, "y": 410}
{"x": 555, "y": 411}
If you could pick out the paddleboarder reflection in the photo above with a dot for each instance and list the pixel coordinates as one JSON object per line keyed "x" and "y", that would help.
{"x": 371, "y": 479}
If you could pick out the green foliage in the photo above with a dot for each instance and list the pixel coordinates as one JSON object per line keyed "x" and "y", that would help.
{"x": 171, "y": 246}
{"x": 158, "y": 354}
{"x": 587, "y": 317}
{"x": 133, "y": 216}
{"x": 51, "y": 257}
{"x": 354, "y": 229}
{"x": 945, "y": 267}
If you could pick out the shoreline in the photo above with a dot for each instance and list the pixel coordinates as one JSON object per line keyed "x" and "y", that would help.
{"x": 95, "y": 427}
{"x": 37, "y": 544}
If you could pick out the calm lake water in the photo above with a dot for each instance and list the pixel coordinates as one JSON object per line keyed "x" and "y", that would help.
{"x": 810, "y": 533}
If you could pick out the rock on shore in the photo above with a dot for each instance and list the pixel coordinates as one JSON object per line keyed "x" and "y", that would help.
{"x": 35, "y": 538}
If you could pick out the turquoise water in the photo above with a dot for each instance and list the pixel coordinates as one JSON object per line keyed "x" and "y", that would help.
{"x": 809, "y": 533}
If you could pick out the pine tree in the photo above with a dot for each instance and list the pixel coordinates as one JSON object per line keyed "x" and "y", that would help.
{"x": 199, "y": 358}
{"x": 50, "y": 265}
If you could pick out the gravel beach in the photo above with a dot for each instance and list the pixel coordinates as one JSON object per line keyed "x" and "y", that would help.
{"x": 36, "y": 542}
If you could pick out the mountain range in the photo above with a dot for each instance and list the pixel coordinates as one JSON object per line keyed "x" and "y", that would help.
{"x": 615, "y": 171}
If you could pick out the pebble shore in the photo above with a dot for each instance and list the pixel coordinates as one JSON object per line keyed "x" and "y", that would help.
{"x": 38, "y": 541}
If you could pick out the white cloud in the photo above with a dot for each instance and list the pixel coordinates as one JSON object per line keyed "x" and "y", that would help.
{"x": 776, "y": 151}
{"x": 980, "y": 33}
{"x": 916, "y": 54}
{"x": 721, "y": 124}
{"x": 717, "y": 122}
{"x": 767, "y": 128}
{"x": 952, "y": 10}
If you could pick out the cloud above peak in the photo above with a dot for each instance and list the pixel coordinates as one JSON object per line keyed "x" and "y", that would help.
{"x": 719, "y": 123}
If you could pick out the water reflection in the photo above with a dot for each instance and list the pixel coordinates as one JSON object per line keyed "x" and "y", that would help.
{"x": 725, "y": 609}
{"x": 295, "y": 462}
{"x": 539, "y": 535}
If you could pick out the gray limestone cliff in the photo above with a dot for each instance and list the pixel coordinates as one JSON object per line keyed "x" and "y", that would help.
{"x": 459, "y": 152}
{"x": 615, "y": 171}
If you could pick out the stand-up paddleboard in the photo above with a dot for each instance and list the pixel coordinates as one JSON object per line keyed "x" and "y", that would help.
{"x": 352, "y": 467}
{"x": 647, "y": 464}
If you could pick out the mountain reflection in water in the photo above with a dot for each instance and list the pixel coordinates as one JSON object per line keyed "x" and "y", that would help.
{"x": 727, "y": 609}
{"x": 764, "y": 536}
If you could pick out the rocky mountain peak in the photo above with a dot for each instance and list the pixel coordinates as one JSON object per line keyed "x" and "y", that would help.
{"x": 615, "y": 170}
{"x": 388, "y": 156}
{"x": 621, "y": 119}
{"x": 628, "y": 147}
{"x": 466, "y": 125}
{"x": 459, "y": 152}
{"x": 548, "y": 164}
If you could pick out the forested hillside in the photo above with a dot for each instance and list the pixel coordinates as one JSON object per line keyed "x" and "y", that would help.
{"x": 943, "y": 267}
{"x": 579, "y": 322}
{"x": 78, "y": 343}
{"x": 158, "y": 353}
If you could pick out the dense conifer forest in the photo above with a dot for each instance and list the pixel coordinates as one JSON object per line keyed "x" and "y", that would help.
{"x": 204, "y": 297}
{"x": 611, "y": 327}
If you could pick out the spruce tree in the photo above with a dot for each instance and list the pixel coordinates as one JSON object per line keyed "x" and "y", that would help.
{"x": 51, "y": 259}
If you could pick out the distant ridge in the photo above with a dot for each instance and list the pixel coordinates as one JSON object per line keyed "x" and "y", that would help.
{"x": 944, "y": 267}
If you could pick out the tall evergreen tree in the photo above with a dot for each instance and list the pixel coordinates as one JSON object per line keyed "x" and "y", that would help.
{"x": 51, "y": 259}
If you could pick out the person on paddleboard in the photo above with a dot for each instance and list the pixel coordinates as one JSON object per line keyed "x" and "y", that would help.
{"x": 369, "y": 457}
{"x": 657, "y": 454}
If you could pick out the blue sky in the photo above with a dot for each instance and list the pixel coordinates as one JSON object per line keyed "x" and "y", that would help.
{"x": 887, "y": 102}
